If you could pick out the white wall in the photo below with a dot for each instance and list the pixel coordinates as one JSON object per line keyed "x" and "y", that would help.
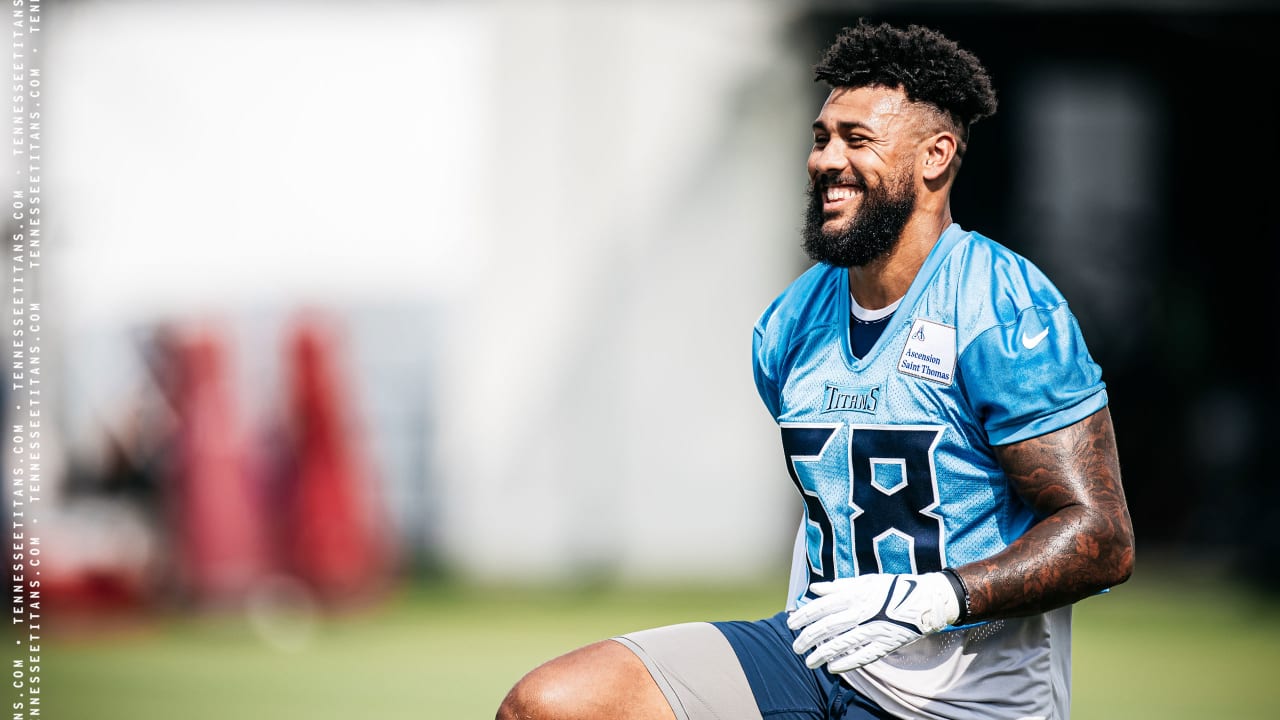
{"x": 589, "y": 204}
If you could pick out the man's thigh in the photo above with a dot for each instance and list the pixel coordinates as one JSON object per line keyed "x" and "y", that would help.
{"x": 713, "y": 671}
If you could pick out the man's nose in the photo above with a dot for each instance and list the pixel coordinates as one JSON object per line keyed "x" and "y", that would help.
{"x": 828, "y": 160}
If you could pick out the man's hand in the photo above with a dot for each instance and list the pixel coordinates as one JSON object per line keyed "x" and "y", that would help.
{"x": 859, "y": 620}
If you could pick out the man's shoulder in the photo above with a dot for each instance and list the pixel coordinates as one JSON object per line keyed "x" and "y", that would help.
{"x": 815, "y": 290}
{"x": 991, "y": 277}
{"x": 819, "y": 277}
{"x": 809, "y": 308}
{"x": 988, "y": 259}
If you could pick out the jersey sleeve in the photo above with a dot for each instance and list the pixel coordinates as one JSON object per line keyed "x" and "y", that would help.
{"x": 1032, "y": 376}
{"x": 766, "y": 372}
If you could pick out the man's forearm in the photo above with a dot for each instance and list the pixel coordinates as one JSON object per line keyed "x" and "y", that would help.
{"x": 1085, "y": 541}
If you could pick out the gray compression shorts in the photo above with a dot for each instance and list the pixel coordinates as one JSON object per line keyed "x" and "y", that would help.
{"x": 697, "y": 670}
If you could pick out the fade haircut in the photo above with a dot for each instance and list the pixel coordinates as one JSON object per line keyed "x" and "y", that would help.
{"x": 926, "y": 65}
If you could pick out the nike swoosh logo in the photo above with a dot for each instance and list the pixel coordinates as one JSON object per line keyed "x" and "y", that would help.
{"x": 907, "y": 594}
{"x": 1030, "y": 342}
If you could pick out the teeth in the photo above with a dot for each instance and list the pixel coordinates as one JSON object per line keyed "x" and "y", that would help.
{"x": 835, "y": 193}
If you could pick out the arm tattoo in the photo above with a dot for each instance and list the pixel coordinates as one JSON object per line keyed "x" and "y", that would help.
{"x": 1083, "y": 542}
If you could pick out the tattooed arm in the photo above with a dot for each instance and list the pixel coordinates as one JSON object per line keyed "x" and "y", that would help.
{"x": 1084, "y": 541}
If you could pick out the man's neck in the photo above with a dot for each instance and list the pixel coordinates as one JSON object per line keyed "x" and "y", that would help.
{"x": 886, "y": 279}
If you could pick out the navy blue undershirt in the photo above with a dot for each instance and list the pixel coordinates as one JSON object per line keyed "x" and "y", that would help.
{"x": 864, "y": 333}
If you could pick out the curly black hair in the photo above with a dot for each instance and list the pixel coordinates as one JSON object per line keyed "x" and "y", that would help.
{"x": 928, "y": 66}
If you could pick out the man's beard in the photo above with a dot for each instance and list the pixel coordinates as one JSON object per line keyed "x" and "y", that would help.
{"x": 872, "y": 232}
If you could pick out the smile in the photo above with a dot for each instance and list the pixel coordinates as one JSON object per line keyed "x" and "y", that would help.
{"x": 833, "y": 196}
{"x": 837, "y": 193}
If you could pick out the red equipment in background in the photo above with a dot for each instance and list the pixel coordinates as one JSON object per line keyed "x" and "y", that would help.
{"x": 214, "y": 510}
{"x": 312, "y": 514}
{"x": 335, "y": 540}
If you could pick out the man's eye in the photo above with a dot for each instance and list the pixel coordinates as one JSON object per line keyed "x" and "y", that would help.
{"x": 819, "y": 141}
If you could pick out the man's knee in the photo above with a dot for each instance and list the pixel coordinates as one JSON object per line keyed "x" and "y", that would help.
{"x": 600, "y": 680}
{"x": 549, "y": 691}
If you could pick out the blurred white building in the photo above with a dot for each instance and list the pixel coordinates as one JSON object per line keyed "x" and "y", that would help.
{"x": 547, "y": 227}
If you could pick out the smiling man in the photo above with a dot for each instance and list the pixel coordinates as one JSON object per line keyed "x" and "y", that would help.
{"x": 944, "y": 424}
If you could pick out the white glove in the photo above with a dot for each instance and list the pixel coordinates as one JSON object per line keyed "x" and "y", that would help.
{"x": 859, "y": 620}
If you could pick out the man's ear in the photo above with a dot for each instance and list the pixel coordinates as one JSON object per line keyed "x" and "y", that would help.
{"x": 939, "y": 152}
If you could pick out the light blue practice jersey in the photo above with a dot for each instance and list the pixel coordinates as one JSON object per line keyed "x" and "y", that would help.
{"x": 893, "y": 453}
{"x": 894, "y": 457}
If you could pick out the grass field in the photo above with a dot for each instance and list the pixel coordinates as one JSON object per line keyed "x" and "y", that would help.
{"x": 1153, "y": 648}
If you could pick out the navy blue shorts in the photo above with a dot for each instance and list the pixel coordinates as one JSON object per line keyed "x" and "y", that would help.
{"x": 784, "y": 687}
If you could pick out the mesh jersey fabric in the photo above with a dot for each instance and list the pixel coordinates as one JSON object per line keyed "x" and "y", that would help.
{"x": 893, "y": 453}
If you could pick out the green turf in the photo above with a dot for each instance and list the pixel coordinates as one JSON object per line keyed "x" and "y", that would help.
{"x": 1150, "y": 649}
{"x": 1172, "y": 647}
